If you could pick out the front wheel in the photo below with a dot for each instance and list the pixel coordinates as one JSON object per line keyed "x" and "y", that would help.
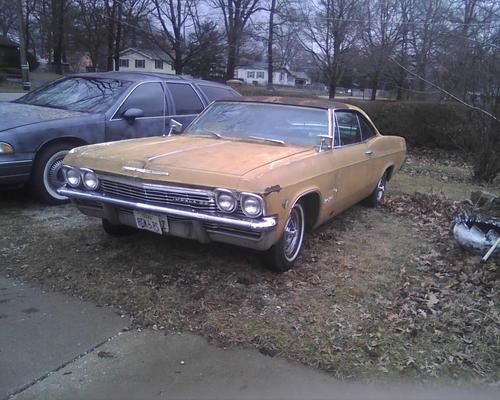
{"x": 47, "y": 173}
{"x": 281, "y": 256}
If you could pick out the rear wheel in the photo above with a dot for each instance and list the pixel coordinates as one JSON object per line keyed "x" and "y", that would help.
{"x": 116, "y": 229}
{"x": 281, "y": 256}
{"x": 47, "y": 173}
{"x": 378, "y": 195}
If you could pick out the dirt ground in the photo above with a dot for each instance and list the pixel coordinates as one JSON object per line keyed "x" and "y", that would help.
{"x": 377, "y": 293}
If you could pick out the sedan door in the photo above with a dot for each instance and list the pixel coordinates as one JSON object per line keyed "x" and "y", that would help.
{"x": 141, "y": 114}
{"x": 187, "y": 103}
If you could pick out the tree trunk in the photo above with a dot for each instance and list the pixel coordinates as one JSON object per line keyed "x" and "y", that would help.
{"x": 332, "y": 88}
{"x": 231, "y": 59}
{"x": 110, "y": 13}
{"x": 118, "y": 37}
{"x": 178, "y": 62}
{"x": 270, "y": 45}
{"x": 375, "y": 80}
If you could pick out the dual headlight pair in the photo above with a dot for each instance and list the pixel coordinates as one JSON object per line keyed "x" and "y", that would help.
{"x": 252, "y": 205}
{"x": 75, "y": 177}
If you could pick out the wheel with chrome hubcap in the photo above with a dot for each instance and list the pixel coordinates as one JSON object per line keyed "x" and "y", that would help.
{"x": 378, "y": 195}
{"x": 281, "y": 256}
{"x": 47, "y": 173}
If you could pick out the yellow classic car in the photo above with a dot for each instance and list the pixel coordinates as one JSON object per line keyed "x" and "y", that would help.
{"x": 256, "y": 172}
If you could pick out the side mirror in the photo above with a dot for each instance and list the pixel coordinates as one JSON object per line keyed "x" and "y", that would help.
{"x": 326, "y": 143}
{"x": 175, "y": 127}
{"x": 133, "y": 113}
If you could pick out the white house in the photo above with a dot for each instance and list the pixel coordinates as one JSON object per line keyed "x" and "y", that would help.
{"x": 257, "y": 75}
{"x": 141, "y": 60}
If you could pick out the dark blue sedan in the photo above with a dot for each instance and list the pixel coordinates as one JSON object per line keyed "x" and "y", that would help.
{"x": 38, "y": 129}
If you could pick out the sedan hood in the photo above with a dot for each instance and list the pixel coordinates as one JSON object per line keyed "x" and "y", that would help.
{"x": 13, "y": 115}
{"x": 181, "y": 158}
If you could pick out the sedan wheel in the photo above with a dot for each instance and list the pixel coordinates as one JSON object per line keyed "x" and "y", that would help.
{"x": 281, "y": 256}
{"x": 47, "y": 174}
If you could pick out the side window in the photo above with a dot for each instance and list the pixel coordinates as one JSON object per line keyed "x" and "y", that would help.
{"x": 367, "y": 130}
{"x": 216, "y": 92}
{"x": 185, "y": 99}
{"x": 149, "y": 97}
{"x": 347, "y": 126}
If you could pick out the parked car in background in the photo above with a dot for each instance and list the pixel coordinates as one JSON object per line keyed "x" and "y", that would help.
{"x": 38, "y": 129}
{"x": 254, "y": 172}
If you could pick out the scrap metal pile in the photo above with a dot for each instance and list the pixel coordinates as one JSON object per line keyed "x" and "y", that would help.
{"x": 477, "y": 226}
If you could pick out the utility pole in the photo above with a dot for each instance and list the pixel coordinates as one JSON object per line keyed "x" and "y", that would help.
{"x": 25, "y": 68}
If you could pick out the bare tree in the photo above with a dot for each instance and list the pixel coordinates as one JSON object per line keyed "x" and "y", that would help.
{"x": 7, "y": 17}
{"x": 236, "y": 15}
{"x": 328, "y": 34}
{"x": 380, "y": 36}
{"x": 426, "y": 35}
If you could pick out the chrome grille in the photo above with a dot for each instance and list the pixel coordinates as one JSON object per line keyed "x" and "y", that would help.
{"x": 161, "y": 195}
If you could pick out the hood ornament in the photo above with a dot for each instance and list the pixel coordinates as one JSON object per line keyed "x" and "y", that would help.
{"x": 145, "y": 171}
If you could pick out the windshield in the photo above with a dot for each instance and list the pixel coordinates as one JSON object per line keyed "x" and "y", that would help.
{"x": 78, "y": 94}
{"x": 263, "y": 121}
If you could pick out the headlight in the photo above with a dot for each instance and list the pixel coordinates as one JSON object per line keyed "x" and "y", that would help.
{"x": 6, "y": 148}
{"x": 73, "y": 176}
{"x": 252, "y": 205}
{"x": 226, "y": 200}
{"x": 90, "y": 180}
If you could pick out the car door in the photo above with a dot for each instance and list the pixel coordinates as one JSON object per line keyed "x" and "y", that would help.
{"x": 186, "y": 102}
{"x": 149, "y": 97}
{"x": 374, "y": 152}
{"x": 351, "y": 158}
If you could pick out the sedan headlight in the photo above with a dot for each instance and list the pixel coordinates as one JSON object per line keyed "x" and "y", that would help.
{"x": 73, "y": 176}
{"x": 226, "y": 200}
{"x": 252, "y": 205}
{"x": 6, "y": 148}
{"x": 90, "y": 180}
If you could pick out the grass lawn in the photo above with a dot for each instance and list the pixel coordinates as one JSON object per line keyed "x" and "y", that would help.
{"x": 377, "y": 293}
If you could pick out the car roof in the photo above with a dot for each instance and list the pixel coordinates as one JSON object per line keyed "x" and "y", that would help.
{"x": 140, "y": 76}
{"x": 293, "y": 101}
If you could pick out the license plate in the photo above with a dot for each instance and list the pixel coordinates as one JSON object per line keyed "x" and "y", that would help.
{"x": 151, "y": 222}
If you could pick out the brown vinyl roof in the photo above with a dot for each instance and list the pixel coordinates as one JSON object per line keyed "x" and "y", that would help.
{"x": 293, "y": 101}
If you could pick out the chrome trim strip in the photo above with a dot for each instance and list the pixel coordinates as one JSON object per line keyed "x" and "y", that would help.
{"x": 15, "y": 162}
{"x": 262, "y": 225}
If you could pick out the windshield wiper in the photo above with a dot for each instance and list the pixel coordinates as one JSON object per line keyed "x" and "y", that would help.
{"x": 275, "y": 141}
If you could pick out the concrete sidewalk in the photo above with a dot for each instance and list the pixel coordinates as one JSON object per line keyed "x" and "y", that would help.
{"x": 57, "y": 347}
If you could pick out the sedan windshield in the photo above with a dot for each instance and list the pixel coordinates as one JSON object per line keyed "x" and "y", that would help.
{"x": 271, "y": 123}
{"x": 77, "y": 94}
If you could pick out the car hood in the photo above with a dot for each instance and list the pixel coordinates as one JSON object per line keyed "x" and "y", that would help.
{"x": 14, "y": 115}
{"x": 183, "y": 159}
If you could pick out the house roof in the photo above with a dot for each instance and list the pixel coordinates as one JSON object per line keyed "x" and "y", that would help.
{"x": 149, "y": 53}
{"x": 300, "y": 75}
{"x": 4, "y": 42}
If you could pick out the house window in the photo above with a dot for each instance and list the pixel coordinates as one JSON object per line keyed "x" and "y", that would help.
{"x": 140, "y": 63}
{"x": 250, "y": 74}
{"x": 124, "y": 62}
{"x": 260, "y": 75}
{"x": 158, "y": 64}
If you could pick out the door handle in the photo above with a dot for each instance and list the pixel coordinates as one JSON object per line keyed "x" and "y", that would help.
{"x": 369, "y": 153}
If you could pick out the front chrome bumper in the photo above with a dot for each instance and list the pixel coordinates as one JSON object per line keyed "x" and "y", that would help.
{"x": 258, "y": 234}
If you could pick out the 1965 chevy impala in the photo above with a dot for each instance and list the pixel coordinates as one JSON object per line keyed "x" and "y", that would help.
{"x": 256, "y": 172}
